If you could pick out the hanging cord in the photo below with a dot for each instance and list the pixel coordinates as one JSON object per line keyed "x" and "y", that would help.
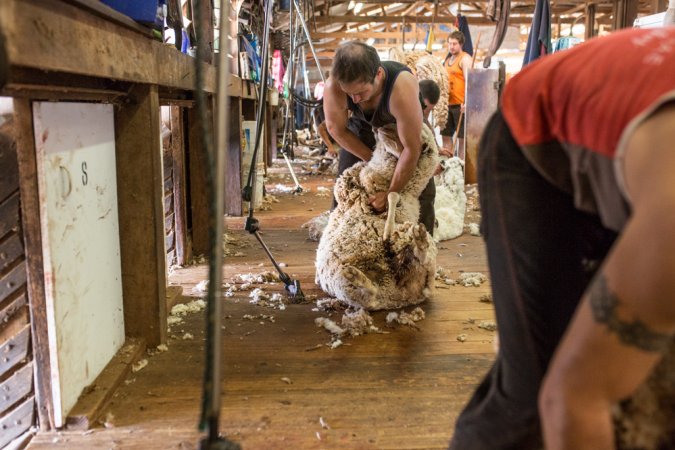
{"x": 215, "y": 181}
{"x": 249, "y": 190}
{"x": 252, "y": 224}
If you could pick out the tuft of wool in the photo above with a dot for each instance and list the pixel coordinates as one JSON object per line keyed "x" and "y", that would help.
{"x": 182, "y": 309}
{"x": 358, "y": 322}
{"x": 472, "y": 279}
{"x": 329, "y": 325}
{"x": 316, "y": 226}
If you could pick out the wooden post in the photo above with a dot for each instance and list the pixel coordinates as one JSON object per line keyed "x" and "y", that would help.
{"x": 590, "y": 20}
{"x": 271, "y": 133}
{"x": 183, "y": 252}
{"x": 233, "y": 161}
{"x": 625, "y": 13}
{"x": 659, "y": 6}
{"x": 32, "y": 235}
{"x": 141, "y": 216}
{"x": 199, "y": 199}
{"x": 207, "y": 29}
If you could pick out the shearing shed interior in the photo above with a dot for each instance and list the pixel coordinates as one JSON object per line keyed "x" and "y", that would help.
{"x": 187, "y": 261}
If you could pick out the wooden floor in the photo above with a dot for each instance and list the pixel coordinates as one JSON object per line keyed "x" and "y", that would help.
{"x": 402, "y": 389}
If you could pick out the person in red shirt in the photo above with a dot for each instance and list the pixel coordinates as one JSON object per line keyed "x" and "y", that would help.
{"x": 578, "y": 202}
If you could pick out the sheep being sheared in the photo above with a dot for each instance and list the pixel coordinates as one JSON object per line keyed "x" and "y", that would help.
{"x": 379, "y": 261}
{"x": 450, "y": 202}
{"x": 646, "y": 420}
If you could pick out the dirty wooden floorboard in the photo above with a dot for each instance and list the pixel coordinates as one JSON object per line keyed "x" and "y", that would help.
{"x": 398, "y": 390}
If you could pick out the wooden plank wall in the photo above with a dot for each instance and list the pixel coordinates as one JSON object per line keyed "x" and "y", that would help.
{"x": 17, "y": 404}
{"x": 178, "y": 249}
{"x": 169, "y": 216}
{"x": 183, "y": 248}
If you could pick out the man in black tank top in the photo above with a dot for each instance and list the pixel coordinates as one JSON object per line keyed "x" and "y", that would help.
{"x": 363, "y": 93}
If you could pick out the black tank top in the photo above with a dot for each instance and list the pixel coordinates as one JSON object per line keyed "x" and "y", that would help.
{"x": 381, "y": 115}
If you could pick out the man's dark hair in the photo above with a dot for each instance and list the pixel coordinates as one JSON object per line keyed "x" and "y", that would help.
{"x": 430, "y": 90}
{"x": 458, "y": 35}
{"x": 355, "y": 62}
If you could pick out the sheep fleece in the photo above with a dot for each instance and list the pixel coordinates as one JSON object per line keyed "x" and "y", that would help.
{"x": 352, "y": 262}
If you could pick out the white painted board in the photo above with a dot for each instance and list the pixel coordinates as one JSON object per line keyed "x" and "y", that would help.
{"x": 75, "y": 145}
{"x": 248, "y": 131}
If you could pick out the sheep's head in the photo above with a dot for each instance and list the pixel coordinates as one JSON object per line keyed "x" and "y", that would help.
{"x": 387, "y": 137}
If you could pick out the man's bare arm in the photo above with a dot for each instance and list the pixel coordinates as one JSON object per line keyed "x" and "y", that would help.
{"x": 627, "y": 317}
{"x": 335, "y": 108}
{"x": 404, "y": 105}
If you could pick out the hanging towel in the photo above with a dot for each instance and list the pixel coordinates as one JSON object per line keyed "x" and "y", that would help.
{"x": 497, "y": 11}
{"x": 278, "y": 70}
{"x": 539, "y": 41}
{"x": 430, "y": 39}
{"x": 462, "y": 25}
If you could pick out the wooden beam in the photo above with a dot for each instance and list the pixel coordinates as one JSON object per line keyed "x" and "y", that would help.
{"x": 321, "y": 20}
{"x": 32, "y": 239}
{"x": 199, "y": 196}
{"x": 368, "y": 34}
{"x": 625, "y": 13}
{"x": 91, "y": 404}
{"x": 659, "y": 6}
{"x": 55, "y": 36}
{"x": 515, "y": 19}
{"x": 140, "y": 193}
{"x": 589, "y": 21}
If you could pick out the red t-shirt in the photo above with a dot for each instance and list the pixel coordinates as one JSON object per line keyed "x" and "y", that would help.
{"x": 582, "y": 103}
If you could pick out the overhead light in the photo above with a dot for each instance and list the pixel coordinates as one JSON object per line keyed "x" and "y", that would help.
{"x": 358, "y": 7}
{"x": 370, "y": 41}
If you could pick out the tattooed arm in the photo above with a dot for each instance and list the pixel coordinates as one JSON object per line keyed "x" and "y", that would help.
{"x": 626, "y": 319}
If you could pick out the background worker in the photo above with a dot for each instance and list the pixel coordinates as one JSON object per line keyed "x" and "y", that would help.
{"x": 578, "y": 209}
{"x": 457, "y": 63}
{"x": 322, "y": 130}
{"x": 430, "y": 94}
{"x": 364, "y": 93}
{"x": 320, "y": 86}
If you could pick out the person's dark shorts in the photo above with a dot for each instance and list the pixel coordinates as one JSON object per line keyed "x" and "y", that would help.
{"x": 453, "y": 120}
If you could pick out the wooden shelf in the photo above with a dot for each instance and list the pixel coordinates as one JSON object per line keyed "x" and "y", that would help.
{"x": 54, "y": 36}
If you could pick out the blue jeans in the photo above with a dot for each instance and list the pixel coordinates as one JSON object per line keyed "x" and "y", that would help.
{"x": 542, "y": 253}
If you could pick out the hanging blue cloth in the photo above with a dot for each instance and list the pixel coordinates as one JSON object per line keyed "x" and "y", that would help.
{"x": 463, "y": 26}
{"x": 539, "y": 41}
{"x": 185, "y": 43}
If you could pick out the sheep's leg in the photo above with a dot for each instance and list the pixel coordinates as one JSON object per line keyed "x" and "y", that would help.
{"x": 392, "y": 200}
{"x": 359, "y": 288}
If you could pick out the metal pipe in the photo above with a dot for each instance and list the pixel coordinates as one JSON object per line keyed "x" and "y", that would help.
{"x": 262, "y": 102}
{"x": 309, "y": 38}
{"x": 216, "y": 277}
